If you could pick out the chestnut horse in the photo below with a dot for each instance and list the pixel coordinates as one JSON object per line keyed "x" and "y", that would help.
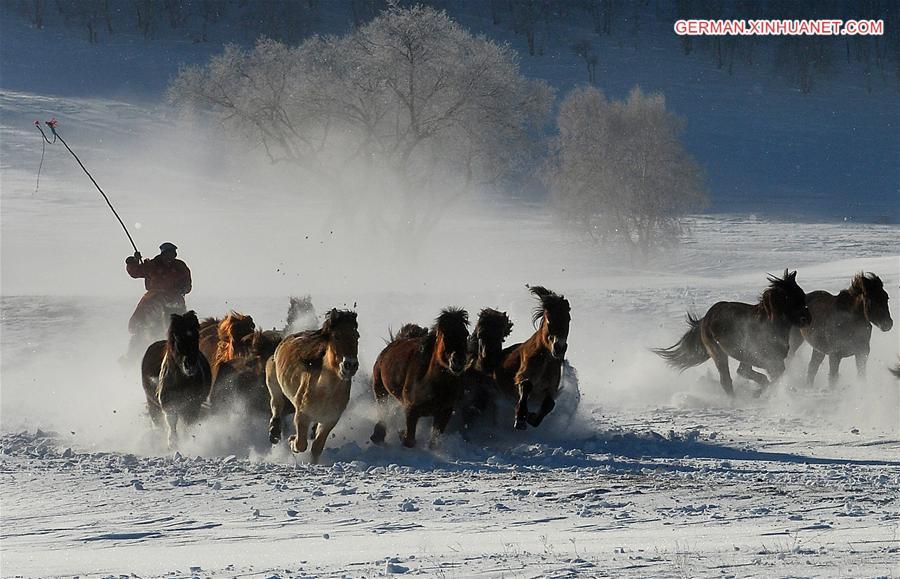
{"x": 842, "y": 325}
{"x": 242, "y": 380}
{"x": 422, "y": 370}
{"x": 534, "y": 367}
{"x": 313, "y": 371}
{"x": 175, "y": 375}
{"x": 485, "y": 352}
{"x": 223, "y": 340}
{"x": 755, "y": 335}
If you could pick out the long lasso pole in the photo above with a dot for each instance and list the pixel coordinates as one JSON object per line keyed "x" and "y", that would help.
{"x": 52, "y": 124}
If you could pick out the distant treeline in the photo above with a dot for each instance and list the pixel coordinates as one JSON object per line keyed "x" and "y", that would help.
{"x": 801, "y": 60}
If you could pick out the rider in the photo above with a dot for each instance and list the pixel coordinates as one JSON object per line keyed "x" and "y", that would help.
{"x": 166, "y": 280}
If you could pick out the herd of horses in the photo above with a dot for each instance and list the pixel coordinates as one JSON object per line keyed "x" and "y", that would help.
{"x": 446, "y": 371}
{"x": 432, "y": 371}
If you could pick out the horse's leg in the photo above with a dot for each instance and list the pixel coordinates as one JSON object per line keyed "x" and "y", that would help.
{"x": 298, "y": 440}
{"x": 547, "y": 405}
{"x": 277, "y": 401}
{"x": 408, "y": 436}
{"x": 318, "y": 445}
{"x": 441, "y": 420}
{"x": 171, "y": 416}
{"x": 747, "y": 371}
{"x": 861, "y": 359}
{"x": 720, "y": 358}
{"x": 834, "y": 364}
{"x": 814, "y": 362}
{"x": 525, "y": 387}
{"x": 381, "y": 395}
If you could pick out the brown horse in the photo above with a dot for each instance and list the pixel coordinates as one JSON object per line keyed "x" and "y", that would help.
{"x": 534, "y": 367}
{"x": 175, "y": 375}
{"x": 485, "y": 352}
{"x": 842, "y": 324}
{"x": 313, "y": 371}
{"x": 223, "y": 340}
{"x": 242, "y": 380}
{"x": 755, "y": 335}
{"x": 422, "y": 370}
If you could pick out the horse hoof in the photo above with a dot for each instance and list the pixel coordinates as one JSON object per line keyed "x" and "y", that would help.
{"x": 408, "y": 442}
{"x": 534, "y": 419}
{"x": 297, "y": 443}
{"x": 520, "y": 424}
{"x": 378, "y": 435}
{"x": 274, "y": 437}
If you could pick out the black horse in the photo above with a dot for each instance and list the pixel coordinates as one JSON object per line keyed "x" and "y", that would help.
{"x": 755, "y": 335}
{"x": 842, "y": 324}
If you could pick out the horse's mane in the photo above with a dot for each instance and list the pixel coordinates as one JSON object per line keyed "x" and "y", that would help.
{"x": 864, "y": 282}
{"x": 784, "y": 284}
{"x": 312, "y": 344}
{"x": 548, "y": 302}
{"x": 407, "y": 331}
{"x": 227, "y": 338}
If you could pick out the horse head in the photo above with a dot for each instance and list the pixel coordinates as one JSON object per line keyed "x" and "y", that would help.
{"x": 785, "y": 300}
{"x": 232, "y": 331}
{"x": 184, "y": 341}
{"x": 554, "y": 312}
{"x": 870, "y": 289}
{"x": 486, "y": 341}
{"x": 342, "y": 332}
{"x": 451, "y": 332}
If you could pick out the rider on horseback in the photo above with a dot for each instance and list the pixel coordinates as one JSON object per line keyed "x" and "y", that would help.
{"x": 166, "y": 280}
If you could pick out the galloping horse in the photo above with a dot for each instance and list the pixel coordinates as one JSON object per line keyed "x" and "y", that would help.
{"x": 755, "y": 335}
{"x": 242, "y": 380}
{"x": 223, "y": 340}
{"x": 313, "y": 370}
{"x": 485, "y": 352}
{"x": 842, "y": 325}
{"x": 175, "y": 375}
{"x": 534, "y": 367}
{"x": 422, "y": 368}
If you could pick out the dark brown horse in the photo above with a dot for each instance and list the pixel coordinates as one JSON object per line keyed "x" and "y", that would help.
{"x": 485, "y": 353}
{"x": 755, "y": 335}
{"x": 241, "y": 381}
{"x": 313, "y": 370}
{"x": 175, "y": 375}
{"x": 534, "y": 367}
{"x": 842, "y": 325}
{"x": 423, "y": 373}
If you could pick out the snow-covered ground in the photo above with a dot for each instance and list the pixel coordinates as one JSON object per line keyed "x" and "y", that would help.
{"x": 657, "y": 474}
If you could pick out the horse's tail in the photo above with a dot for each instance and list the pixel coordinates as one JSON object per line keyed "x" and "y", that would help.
{"x": 688, "y": 351}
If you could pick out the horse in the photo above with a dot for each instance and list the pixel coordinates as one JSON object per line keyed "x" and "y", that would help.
{"x": 150, "y": 321}
{"x": 222, "y": 340}
{"x": 313, "y": 370}
{"x": 534, "y": 367}
{"x": 755, "y": 335}
{"x": 422, "y": 369}
{"x": 842, "y": 325}
{"x": 175, "y": 375}
{"x": 301, "y": 315}
{"x": 485, "y": 350}
{"x": 242, "y": 380}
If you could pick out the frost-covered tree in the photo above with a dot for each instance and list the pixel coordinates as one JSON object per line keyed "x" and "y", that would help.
{"x": 411, "y": 106}
{"x": 619, "y": 172}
